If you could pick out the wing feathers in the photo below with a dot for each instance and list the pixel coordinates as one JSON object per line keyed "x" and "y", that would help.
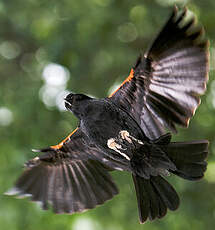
{"x": 168, "y": 81}
{"x": 179, "y": 62}
{"x": 68, "y": 177}
{"x": 69, "y": 187}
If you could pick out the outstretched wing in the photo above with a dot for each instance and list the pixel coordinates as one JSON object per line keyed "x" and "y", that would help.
{"x": 67, "y": 176}
{"x": 163, "y": 88}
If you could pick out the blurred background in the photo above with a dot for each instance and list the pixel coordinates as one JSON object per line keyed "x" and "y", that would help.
{"x": 50, "y": 48}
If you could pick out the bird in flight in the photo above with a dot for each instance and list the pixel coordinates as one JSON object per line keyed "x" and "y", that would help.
{"x": 127, "y": 131}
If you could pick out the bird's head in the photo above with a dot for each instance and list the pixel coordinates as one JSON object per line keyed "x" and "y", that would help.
{"x": 76, "y": 103}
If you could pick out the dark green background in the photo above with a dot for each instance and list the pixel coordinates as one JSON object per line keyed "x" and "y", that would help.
{"x": 97, "y": 41}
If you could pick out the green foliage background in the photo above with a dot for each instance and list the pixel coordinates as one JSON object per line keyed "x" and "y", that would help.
{"x": 97, "y": 41}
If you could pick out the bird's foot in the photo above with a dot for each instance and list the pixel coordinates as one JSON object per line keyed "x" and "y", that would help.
{"x": 124, "y": 134}
{"x": 112, "y": 144}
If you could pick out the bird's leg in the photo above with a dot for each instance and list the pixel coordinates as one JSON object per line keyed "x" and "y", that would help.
{"x": 126, "y": 136}
{"x": 123, "y": 143}
{"x": 112, "y": 144}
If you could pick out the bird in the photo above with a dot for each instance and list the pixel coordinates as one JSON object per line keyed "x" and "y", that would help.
{"x": 130, "y": 130}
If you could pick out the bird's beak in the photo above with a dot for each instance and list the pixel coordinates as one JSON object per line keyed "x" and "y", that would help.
{"x": 67, "y": 101}
{"x": 68, "y": 105}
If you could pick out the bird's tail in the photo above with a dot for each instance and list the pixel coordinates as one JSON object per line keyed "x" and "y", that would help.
{"x": 154, "y": 194}
{"x": 189, "y": 158}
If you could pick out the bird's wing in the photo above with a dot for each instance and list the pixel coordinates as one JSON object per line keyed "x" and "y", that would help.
{"x": 67, "y": 176}
{"x": 163, "y": 88}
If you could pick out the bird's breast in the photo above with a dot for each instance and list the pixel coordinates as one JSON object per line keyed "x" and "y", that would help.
{"x": 113, "y": 130}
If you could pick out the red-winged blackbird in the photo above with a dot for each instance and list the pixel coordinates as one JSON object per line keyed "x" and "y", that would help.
{"x": 126, "y": 131}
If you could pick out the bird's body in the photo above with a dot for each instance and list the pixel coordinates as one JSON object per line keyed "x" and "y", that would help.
{"x": 104, "y": 120}
{"x": 127, "y": 131}
{"x": 106, "y": 116}
{"x": 117, "y": 134}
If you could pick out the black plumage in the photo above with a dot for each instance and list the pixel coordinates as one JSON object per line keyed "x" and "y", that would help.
{"x": 127, "y": 131}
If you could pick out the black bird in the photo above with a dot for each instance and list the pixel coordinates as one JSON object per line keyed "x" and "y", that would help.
{"x": 127, "y": 131}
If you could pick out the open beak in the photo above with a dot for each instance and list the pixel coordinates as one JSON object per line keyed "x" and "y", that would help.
{"x": 68, "y": 105}
{"x": 68, "y": 101}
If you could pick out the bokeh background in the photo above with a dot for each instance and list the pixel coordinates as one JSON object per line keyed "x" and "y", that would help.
{"x": 49, "y": 48}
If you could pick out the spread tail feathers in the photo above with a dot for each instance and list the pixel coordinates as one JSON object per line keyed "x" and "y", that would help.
{"x": 189, "y": 158}
{"x": 154, "y": 196}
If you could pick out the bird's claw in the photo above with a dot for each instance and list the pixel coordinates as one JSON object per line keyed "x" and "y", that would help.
{"x": 126, "y": 136}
